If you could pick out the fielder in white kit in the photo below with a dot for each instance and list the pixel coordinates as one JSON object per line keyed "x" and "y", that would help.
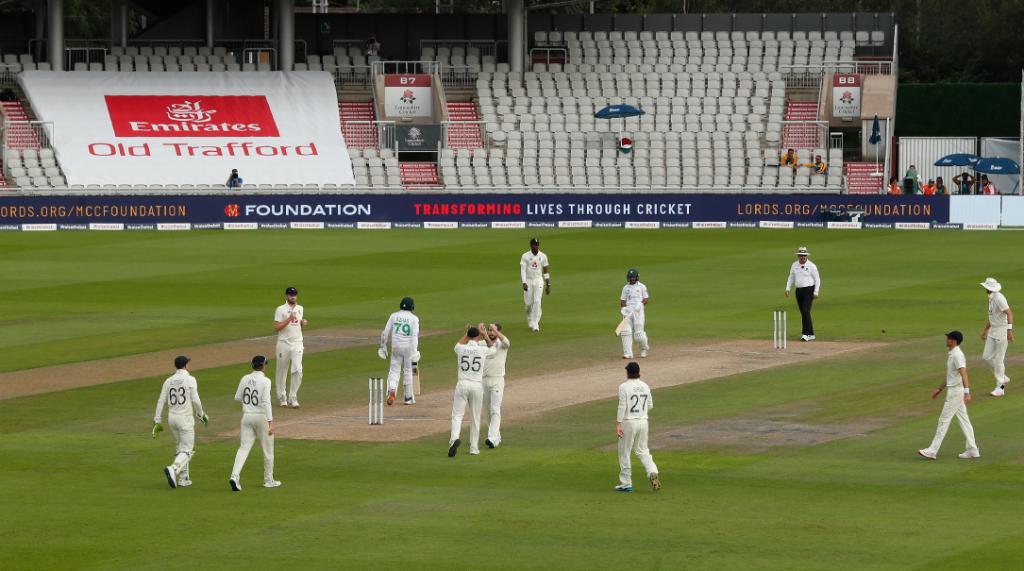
{"x": 288, "y": 322}
{"x": 403, "y": 327}
{"x": 958, "y": 394}
{"x": 632, "y": 303}
{"x": 533, "y": 270}
{"x": 635, "y": 401}
{"x": 472, "y": 350}
{"x": 257, "y": 423}
{"x": 997, "y": 334}
{"x": 181, "y": 393}
{"x": 494, "y": 382}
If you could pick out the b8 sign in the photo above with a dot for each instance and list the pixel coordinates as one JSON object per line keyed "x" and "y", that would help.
{"x": 846, "y": 80}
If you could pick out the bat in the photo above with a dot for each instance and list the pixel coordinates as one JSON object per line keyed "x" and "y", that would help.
{"x": 416, "y": 379}
{"x": 622, "y": 325}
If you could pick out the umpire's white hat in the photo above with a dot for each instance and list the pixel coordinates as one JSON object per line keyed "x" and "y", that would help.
{"x": 802, "y": 251}
{"x": 991, "y": 284}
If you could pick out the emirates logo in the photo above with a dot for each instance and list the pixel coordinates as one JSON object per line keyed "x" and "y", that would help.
{"x": 189, "y": 112}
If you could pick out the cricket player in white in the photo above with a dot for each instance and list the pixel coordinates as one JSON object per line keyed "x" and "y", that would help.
{"x": 997, "y": 334}
{"x": 534, "y": 272}
{"x": 472, "y": 350}
{"x": 181, "y": 393}
{"x": 494, "y": 382}
{"x": 632, "y": 303}
{"x": 634, "y": 401}
{"x": 257, "y": 422}
{"x": 404, "y": 329}
{"x": 958, "y": 394}
{"x": 288, "y": 322}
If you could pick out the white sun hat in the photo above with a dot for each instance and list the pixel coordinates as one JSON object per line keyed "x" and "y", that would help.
{"x": 802, "y": 251}
{"x": 991, "y": 284}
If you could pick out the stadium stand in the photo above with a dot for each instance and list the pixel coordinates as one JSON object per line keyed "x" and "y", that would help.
{"x": 27, "y": 162}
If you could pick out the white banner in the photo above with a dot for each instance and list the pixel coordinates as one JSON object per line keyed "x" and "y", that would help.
{"x": 408, "y": 96}
{"x": 193, "y": 128}
{"x": 846, "y": 95}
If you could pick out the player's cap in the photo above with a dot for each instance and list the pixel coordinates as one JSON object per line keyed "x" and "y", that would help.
{"x": 180, "y": 361}
{"x": 290, "y": 290}
{"x": 534, "y": 242}
{"x": 633, "y": 368}
{"x": 956, "y": 336}
{"x": 259, "y": 361}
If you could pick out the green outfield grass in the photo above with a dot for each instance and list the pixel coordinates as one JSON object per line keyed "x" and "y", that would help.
{"x": 81, "y": 483}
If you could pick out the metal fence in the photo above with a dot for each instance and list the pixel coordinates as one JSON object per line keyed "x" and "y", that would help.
{"x": 352, "y": 76}
{"x": 7, "y": 75}
{"x": 459, "y": 76}
{"x": 464, "y": 134}
{"x": 381, "y": 131}
{"x": 548, "y": 56}
{"x": 480, "y": 48}
{"x": 84, "y": 56}
{"x": 97, "y": 49}
{"x": 802, "y": 76}
{"x": 807, "y": 134}
{"x": 406, "y": 67}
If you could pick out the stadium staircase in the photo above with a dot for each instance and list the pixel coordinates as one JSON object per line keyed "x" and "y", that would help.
{"x": 464, "y": 136}
{"x": 800, "y": 136}
{"x": 358, "y": 135}
{"x": 21, "y": 136}
{"x": 861, "y": 178}
{"x": 419, "y": 174}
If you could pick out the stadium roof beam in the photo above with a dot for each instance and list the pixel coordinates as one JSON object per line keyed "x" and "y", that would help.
{"x": 285, "y": 35}
{"x": 516, "y": 11}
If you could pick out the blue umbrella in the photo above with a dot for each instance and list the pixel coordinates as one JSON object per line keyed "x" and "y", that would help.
{"x": 997, "y": 165}
{"x": 958, "y": 160}
{"x": 876, "y": 134}
{"x": 618, "y": 111}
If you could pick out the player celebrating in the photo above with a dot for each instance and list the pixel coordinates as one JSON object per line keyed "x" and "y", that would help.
{"x": 404, "y": 329}
{"x": 997, "y": 334}
{"x": 257, "y": 422}
{"x": 472, "y": 350}
{"x": 631, "y": 303}
{"x": 181, "y": 393}
{"x": 533, "y": 270}
{"x": 288, "y": 323}
{"x": 494, "y": 382}
{"x": 634, "y": 401}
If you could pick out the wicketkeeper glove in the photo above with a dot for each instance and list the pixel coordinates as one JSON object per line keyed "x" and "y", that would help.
{"x": 382, "y": 352}
{"x": 204, "y": 419}
{"x": 415, "y": 356}
{"x": 157, "y": 428}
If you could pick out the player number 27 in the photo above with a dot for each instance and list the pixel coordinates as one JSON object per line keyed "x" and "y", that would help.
{"x": 469, "y": 365}
{"x": 176, "y": 396}
{"x": 250, "y": 397}
{"x": 635, "y": 400}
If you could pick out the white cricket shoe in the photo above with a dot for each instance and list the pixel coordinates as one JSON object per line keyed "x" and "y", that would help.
{"x": 997, "y": 392}
{"x": 295, "y": 404}
{"x": 474, "y": 452}
{"x": 643, "y": 354}
{"x": 535, "y": 328}
{"x": 271, "y": 484}
{"x": 409, "y": 401}
{"x": 184, "y": 483}
{"x": 627, "y": 356}
{"x": 284, "y": 404}
{"x": 236, "y": 486}
{"x": 804, "y": 338}
{"x": 925, "y": 453}
{"x": 811, "y": 337}
{"x": 970, "y": 453}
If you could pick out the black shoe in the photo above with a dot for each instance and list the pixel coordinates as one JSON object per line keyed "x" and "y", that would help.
{"x": 489, "y": 443}
{"x": 453, "y": 448}
{"x": 235, "y": 486}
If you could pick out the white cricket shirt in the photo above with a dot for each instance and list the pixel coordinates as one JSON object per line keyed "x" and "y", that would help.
{"x": 404, "y": 328}
{"x": 954, "y": 362}
{"x": 180, "y": 392}
{"x": 494, "y": 366}
{"x": 293, "y": 331}
{"x": 634, "y": 295}
{"x": 634, "y": 400}
{"x": 997, "y": 320}
{"x": 254, "y": 394}
{"x": 531, "y": 266}
{"x": 471, "y": 358}
{"x": 804, "y": 275}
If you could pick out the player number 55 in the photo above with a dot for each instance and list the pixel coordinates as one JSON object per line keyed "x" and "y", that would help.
{"x": 469, "y": 365}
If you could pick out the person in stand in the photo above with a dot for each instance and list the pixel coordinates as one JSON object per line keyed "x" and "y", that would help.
{"x": 372, "y": 46}
{"x": 789, "y": 159}
{"x": 964, "y": 182}
{"x": 940, "y": 186}
{"x": 804, "y": 275}
{"x": 894, "y": 187}
{"x": 929, "y": 188}
{"x": 234, "y": 181}
{"x": 986, "y": 187}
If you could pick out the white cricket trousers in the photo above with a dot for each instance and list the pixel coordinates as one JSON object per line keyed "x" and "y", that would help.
{"x": 634, "y": 330}
{"x": 254, "y": 425}
{"x": 954, "y": 406}
{"x": 401, "y": 364}
{"x": 471, "y": 393}
{"x": 289, "y": 357}
{"x": 634, "y": 440}
{"x": 494, "y": 391}
{"x": 995, "y": 356}
{"x": 183, "y": 427}
{"x": 531, "y": 298}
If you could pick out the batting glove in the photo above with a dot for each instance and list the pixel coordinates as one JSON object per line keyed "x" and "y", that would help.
{"x": 625, "y": 311}
{"x": 382, "y": 352}
{"x": 204, "y": 419}
{"x": 157, "y": 428}
{"x": 416, "y": 357}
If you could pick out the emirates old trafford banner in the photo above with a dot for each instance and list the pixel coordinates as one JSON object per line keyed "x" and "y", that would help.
{"x": 192, "y": 128}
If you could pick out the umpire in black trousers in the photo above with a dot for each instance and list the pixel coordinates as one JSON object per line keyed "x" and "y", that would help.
{"x": 804, "y": 275}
